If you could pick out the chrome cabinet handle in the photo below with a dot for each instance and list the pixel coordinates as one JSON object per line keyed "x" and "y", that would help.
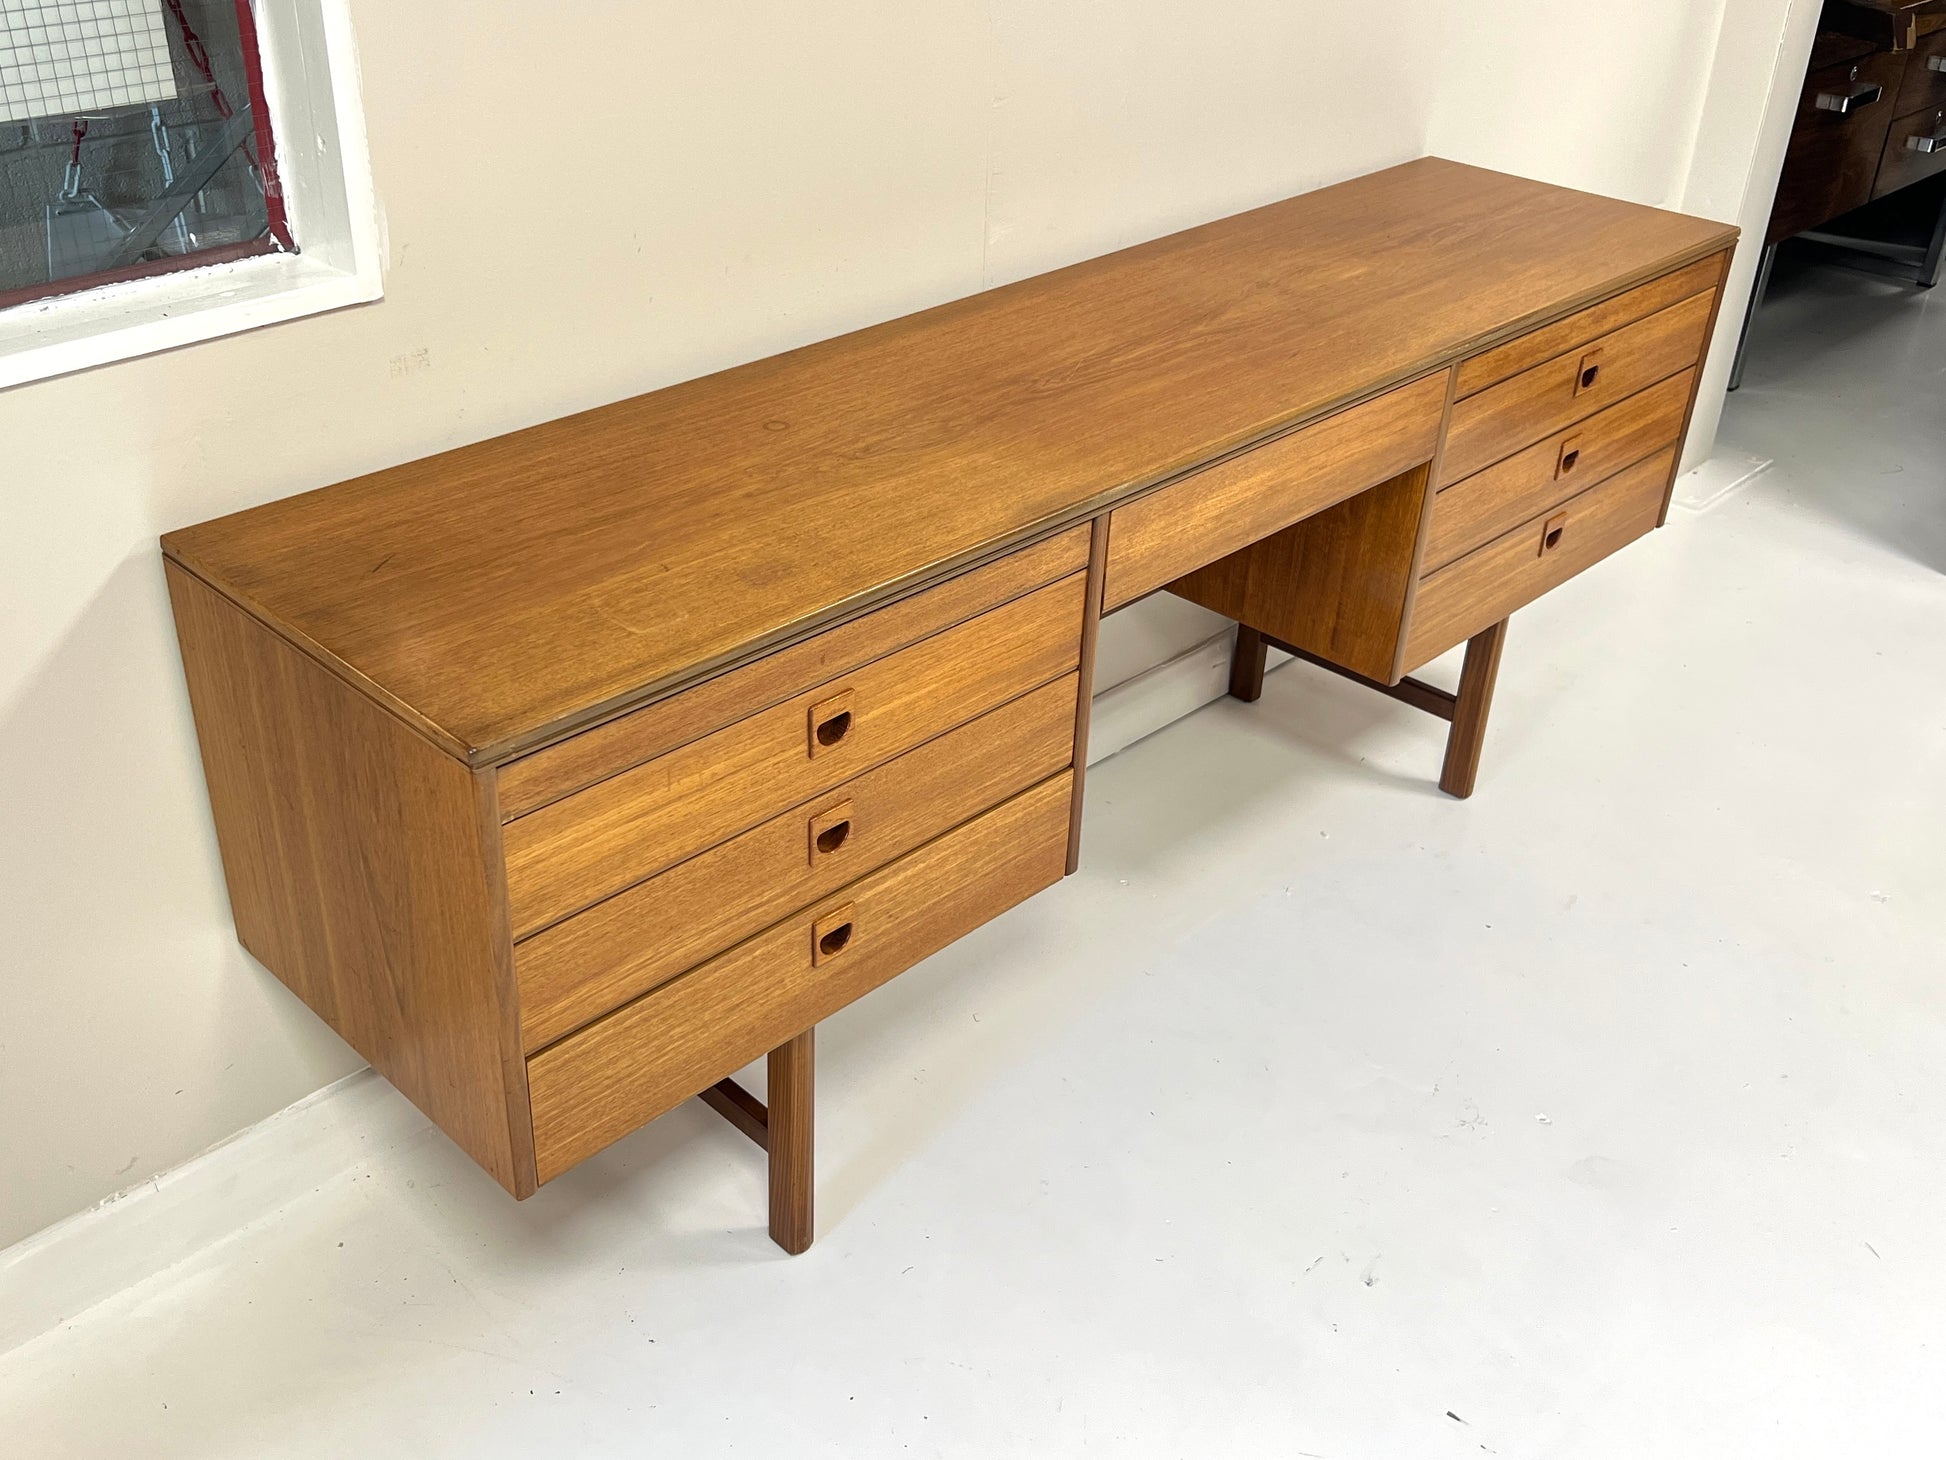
{"x": 1855, "y": 100}
{"x": 1935, "y": 143}
{"x": 1936, "y": 63}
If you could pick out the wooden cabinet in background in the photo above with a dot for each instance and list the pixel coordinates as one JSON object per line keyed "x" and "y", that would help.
{"x": 1870, "y": 123}
{"x": 1837, "y": 142}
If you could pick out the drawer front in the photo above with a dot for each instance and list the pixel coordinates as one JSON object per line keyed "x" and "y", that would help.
{"x": 1537, "y": 347}
{"x": 1833, "y": 156}
{"x": 1915, "y": 149}
{"x": 600, "y": 1084}
{"x": 597, "y": 960}
{"x": 1516, "y": 568}
{"x": 1201, "y": 518}
{"x": 597, "y": 842}
{"x": 1573, "y": 386}
{"x": 1925, "y": 76}
{"x": 1502, "y": 497}
{"x": 594, "y": 755}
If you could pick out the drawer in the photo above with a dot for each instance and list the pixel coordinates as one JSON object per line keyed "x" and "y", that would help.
{"x": 1830, "y": 47}
{"x": 1537, "y": 347}
{"x": 1211, "y": 514}
{"x": 1925, "y": 76}
{"x": 1915, "y": 149}
{"x": 1573, "y": 386}
{"x": 594, "y": 755}
{"x": 1833, "y": 155}
{"x": 1516, "y": 568}
{"x": 599, "y": 959}
{"x": 676, "y": 1041}
{"x": 1494, "y": 501}
{"x": 612, "y": 835}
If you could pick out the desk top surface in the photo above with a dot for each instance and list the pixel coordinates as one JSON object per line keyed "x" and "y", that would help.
{"x": 503, "y": 594}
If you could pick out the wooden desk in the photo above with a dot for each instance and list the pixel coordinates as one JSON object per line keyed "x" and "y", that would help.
{"x": 567, "y": 773}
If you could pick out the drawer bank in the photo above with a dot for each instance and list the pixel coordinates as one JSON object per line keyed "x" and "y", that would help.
{"x": 567, "y": 773}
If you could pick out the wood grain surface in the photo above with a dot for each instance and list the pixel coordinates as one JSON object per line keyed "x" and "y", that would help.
{"x": 1488, "y": 503}
{"x": 1487, "y": 585}
{"x": 1459, "y": 773}
{"x": 505, "y": 594}
{"x": 1334, "y": 584}
{"x": 790, "y": 1136}
{"x": 1494, "y": 366}
{"x": 582, "y": 968}
{"x": 572, "y": 765}
{"x": 1518, "y": 412}
{"x": 361, "y": 867}
{"x": 631, "y": 826}
{"x": 600, "y": 1084}
{"x": 1250, "y": 496}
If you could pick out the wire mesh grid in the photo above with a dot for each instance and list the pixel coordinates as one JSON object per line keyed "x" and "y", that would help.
{"x": 61, "y": 57}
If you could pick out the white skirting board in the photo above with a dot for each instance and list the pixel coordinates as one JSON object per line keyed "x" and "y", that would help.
{"x": 62, "y": 1271}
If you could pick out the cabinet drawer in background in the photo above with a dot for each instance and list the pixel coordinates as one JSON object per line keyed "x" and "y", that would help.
{"x": 1915, "y": 149}
{"x": 676, "y": 1041}
{"x": 631, "y": 826}
{"x": 1493, "y": 501}
{"x": 599, "y": 959}
{"x": 1211, "y": 514}
{"x": 1925, "y": 76}
{"x": 1571, "y": 387}
{"x": 1516, "y": 568}
{"x": 1833, "y": 155}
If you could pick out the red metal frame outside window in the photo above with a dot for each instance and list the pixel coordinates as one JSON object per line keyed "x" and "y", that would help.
{"x": 279, "y": 239}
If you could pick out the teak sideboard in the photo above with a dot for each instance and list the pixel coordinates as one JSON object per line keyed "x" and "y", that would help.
{"x": 567, "y": 773}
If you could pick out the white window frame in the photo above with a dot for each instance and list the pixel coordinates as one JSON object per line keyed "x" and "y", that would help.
{"x": 310, "y": 71}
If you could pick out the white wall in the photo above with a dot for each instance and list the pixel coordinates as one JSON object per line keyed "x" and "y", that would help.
{"x": 678, "y": 188}
{"x": 1683, "y": 104}
{"x": 1601, "y": 97}
{"x": 1761, "y": 54}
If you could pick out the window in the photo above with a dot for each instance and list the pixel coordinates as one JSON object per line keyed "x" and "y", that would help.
{"x": 173, "y": 170}
{"x": 133, "y": 139}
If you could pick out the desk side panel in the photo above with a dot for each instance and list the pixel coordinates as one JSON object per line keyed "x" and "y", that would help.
{"x": 363, "y": 870}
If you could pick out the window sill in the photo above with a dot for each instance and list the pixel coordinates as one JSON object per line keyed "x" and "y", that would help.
{"x": 120, "y": 321}
{"x": 311, "y": 84}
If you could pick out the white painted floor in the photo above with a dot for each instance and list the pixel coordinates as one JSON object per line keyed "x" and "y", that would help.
{"x": 1604, "y": 1115}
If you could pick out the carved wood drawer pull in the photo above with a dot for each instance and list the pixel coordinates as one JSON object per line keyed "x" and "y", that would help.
{"x": 1551, "y": 532}
{"x": 831, "y": 722}
{"x": 1590, "y": 373}
{"x": 1569, "y": 459}
{"x": 831, "y": 832}
{"x": 833, "y": 933}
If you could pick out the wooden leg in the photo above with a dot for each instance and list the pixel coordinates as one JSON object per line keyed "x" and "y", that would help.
{"x": 1247, "y": 665}
{"x": 790, "y": 1128}
{"x": 1475, "y": 699}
